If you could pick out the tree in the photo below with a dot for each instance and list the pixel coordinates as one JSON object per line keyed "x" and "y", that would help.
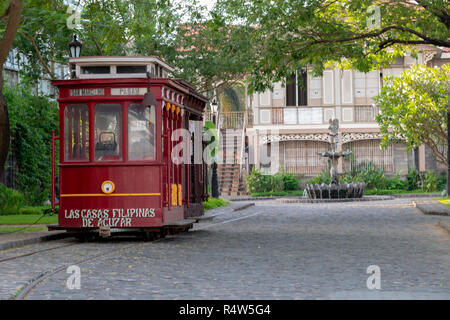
{"x": 287, "y": 35}
{"x": 130, "y": 27}
{"x": 211, "y": 53}
{"x": 413, "y": 108}
{"x": 38, "y": 30}
{"x": 11, "y": 14}
{"x": 42, "y": 38}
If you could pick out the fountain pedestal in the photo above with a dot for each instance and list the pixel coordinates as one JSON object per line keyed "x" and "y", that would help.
{"x": 335, "y": 190}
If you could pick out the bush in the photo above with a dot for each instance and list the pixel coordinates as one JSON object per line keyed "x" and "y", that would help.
{"x": 412, "y": 179}
{"x": 262, "y": 183}
{"x": 257, "y": 182}
{"x": 323, "y": 177}
{"x": 396, "y": 183}
{"x": 290, "y": 182}
{"x": 32, "y": 119}
{"x": 430, "y": 181}
{"x": 10, "y": 201}
{"x": 442, "y": 181}
{"x": 373, "y": 177}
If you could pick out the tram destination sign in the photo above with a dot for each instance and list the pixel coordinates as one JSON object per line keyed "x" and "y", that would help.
{"x": 116, "y": 217}
{"x": 87, "y": 92}
{"x": 128, "y": 91}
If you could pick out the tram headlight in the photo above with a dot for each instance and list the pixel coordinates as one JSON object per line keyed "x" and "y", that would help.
{"x": 108, "y": 187}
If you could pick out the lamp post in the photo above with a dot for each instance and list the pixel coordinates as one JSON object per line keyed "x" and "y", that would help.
{"x": 214, "y": 179}
{"x": 74, "y": 52}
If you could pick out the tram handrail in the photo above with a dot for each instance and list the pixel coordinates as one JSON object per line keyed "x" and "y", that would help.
{"x": 54, "y": 138}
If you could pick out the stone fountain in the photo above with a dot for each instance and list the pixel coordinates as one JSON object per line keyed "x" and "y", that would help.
{"x": 335, "y": 190}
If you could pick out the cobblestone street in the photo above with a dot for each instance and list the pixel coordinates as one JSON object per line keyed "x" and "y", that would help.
{"x": 268, "y": 251}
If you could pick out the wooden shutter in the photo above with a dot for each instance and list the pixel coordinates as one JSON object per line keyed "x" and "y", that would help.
{"x": 302, "y": 88}
{"x": 290, "y": 90}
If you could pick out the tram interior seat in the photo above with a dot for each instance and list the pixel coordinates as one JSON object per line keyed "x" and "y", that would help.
{"x": 106, "y": 147}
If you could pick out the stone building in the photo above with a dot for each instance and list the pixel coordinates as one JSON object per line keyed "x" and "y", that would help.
{"x": 297, "y": 115}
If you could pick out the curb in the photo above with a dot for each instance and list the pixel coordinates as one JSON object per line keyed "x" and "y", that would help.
{"x": 253, "y": 198}
{"x": 444, "y": 225}
{"x": 432, "y": 207}
{"x": 337, "y": 200}
{"x": 24, "y": 242}
{"x": 417, "y": 195}
{"x": 245, "y": 206}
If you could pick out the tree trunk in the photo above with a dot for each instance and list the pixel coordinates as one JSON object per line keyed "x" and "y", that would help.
{"x": 14, "y": 13}
{"x": 448, "y": 153}
{"x": 4, "y": 131}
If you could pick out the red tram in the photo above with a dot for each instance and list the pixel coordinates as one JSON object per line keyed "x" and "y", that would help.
{"x": 116, "y": 171}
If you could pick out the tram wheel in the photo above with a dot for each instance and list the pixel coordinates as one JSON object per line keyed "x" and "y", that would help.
{"x": 147, "y": 236}
{"x": 81, "y": 237}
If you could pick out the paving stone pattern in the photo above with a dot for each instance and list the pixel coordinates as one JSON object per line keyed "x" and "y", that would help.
{"x": 267, "y": 251}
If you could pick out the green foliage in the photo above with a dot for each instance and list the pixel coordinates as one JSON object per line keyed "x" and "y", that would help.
{"x": 10, "y": 201}
{"x": 413, "y": 107}
{"x": 258, "y": 182}
{"x": 28, "y": 219}
{"x": 396, "y": 183}
{"x": 412, "y": 179}
{"x": 323, "y": 177}
{"x": 214, "y": 203}
{"x": 376, "y": 180}
{"x": 442, "y": 181}
{"x": 286, "y": 35}
{"x": 32, "y": 119}
{"x": 373, "y": 177}
{"x": 430, "y": 181}
{"x": 264, "y": 183}
{"x": 290, "y": 181}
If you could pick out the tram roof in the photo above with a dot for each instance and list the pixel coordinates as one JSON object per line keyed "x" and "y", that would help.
{"x": 179, "y": 84}
{"x": 100, "y": 67}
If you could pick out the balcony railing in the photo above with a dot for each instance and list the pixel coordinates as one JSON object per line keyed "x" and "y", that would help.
{"x": 366, "y": 113}
{"x": 232, "y": 120}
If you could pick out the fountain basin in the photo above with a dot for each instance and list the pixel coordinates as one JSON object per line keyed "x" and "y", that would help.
{"x": 335, "y": 190}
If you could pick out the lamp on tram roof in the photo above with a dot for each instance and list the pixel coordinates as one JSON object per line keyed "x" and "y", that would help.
{"x": 74, "y": 52}
{"x": 75, "y": 47}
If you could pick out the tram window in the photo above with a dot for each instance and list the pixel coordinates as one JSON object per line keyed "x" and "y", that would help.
{"x": 76, "y": 135}
{"x": 141, "y": 132}
{"x": 131, "y": 69}
{"x": 108, "y": 132}
{"x": 95, "y": 70}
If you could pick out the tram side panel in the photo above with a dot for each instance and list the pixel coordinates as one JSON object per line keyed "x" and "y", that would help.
{"x": 114, "y": 196}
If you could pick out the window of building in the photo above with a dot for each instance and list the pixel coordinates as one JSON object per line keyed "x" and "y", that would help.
{"x": 296, "y": 89}
{"x": 108, "y": 132}
{"x": 76, "y": 135}
{"x": 141, "y": 132}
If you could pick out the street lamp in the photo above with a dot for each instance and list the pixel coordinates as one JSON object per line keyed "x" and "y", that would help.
{"x": 214, "y": 107}
{"x": 214, "y": 179}
{"x": 74, "y": 52}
